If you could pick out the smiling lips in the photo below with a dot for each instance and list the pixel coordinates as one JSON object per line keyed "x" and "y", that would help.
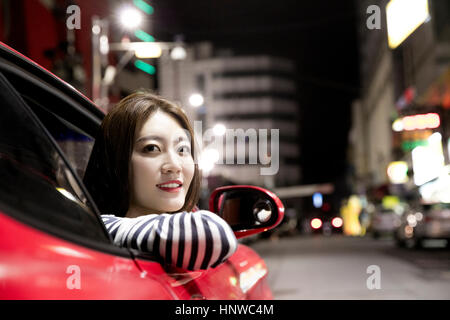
{"x": 171, "y": 186}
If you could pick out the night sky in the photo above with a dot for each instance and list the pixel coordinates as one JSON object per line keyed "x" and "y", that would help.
{"x": 319, "y": 35}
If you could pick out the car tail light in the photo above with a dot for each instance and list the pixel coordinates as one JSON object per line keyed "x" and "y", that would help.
{"x": 316, "y": 223}
{"x": 337, "y": 222}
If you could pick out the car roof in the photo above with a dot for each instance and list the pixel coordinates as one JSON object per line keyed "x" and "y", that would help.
{"x": 16, "y": 58}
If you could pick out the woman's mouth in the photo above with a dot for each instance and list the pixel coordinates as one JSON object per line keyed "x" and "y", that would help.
{"x": 171, "y": 186}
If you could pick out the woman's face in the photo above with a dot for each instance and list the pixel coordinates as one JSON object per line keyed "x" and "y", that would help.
{"x": 161, "y": 168}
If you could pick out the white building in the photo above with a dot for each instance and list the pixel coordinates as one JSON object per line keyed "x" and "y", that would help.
{"x": 241, "y": 92}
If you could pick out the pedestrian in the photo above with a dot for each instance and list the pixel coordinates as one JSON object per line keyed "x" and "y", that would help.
{"x": 145, "y": 182}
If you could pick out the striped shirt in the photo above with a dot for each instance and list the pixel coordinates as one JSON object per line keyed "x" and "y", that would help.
{"x": 189, "y": 240}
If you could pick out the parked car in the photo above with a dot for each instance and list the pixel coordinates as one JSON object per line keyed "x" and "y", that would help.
{"x": 384, "y": 222}
{"x": 429, "y": 221}
{"x": 53, "y": 244}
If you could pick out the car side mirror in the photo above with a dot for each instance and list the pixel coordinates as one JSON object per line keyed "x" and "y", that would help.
{"x": 247, "y": 209}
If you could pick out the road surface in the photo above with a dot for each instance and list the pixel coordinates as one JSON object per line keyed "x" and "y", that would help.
{"x": 339, "y": 267}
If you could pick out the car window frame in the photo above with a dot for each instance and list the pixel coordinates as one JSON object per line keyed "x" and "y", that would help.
{"x": 77, "y": 109}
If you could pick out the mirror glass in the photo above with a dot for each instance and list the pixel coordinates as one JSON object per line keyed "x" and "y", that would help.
{"x": 246, "y": 208}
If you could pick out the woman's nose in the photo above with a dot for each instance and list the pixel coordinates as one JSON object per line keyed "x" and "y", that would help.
{"x": 172, "y": 164}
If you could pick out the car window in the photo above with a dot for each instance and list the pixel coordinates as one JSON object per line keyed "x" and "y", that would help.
{"x": 37, "y": 184}
{"x": 74, "y": 142}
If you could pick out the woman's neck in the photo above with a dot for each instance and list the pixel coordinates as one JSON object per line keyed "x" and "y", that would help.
{"x": 134, "y": 212}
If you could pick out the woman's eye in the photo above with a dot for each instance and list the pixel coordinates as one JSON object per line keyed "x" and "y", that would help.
{"x": 184, "y": 150}
{"x": 151, "y": 148}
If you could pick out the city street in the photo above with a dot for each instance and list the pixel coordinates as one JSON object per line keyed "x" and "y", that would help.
{"x": 317, "y": 267}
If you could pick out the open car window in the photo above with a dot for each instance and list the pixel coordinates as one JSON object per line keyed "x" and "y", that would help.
{"x": 38, "y": 184}
{"x": 74, "y": 143}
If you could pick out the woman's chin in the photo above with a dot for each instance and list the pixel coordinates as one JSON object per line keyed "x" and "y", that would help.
{"x": 173, "y": 208}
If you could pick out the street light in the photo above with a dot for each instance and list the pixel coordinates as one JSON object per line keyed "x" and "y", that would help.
{"x": 148, "y": 50}
{"x": 178, "y": 53}
{"x": 196, "y": 100}
{"x": 96, "y": 29}
{"x": 104, "y": 44}
{"x": 208, "y": 159}
{"x": 130, "y": 18}
{"x": 219, "y": 129}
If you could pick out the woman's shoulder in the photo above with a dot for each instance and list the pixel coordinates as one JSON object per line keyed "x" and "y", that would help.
{"x": 211, "y": 216}
{"x": 206, "y": 212}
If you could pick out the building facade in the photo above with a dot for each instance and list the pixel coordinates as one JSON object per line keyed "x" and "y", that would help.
{"x": 409, "y": 80}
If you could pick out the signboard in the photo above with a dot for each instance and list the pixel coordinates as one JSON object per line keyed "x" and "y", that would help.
{"x": 428, "y": 161}
{"x": 403, "y": 17}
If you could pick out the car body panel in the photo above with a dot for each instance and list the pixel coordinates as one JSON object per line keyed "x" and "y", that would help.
{"x": 35, "y": 265}
{"x": 242, "y": 276}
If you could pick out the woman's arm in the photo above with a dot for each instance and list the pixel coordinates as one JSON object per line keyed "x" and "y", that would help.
{"x": 188, "y": 240}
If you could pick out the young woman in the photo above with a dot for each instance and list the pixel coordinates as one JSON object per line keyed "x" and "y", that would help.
{"x": 146, "y": 184}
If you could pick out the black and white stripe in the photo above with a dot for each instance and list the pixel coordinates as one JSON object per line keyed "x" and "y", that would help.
{"x": 189, "y": 240}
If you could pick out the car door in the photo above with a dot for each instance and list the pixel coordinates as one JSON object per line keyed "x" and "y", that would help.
{"x": 242, "y": 276}
{"x": 53, "y": 244}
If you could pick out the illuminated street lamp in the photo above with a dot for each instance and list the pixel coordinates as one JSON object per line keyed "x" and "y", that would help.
{"x": 100, "y": 48}
{"x": 219, "y": 129}
{"x": 147, "y": 50}
{"x": 104, "y": 44}
{"x": 210, "y": 155}
{"x": 196, "y": 100}
{"x": 130, "y": 18}
{"x": 178, "y": 53}
{"x": 208, "y": 159}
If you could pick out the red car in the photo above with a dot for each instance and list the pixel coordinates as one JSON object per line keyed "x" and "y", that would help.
{"x": 53, "y": 244}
